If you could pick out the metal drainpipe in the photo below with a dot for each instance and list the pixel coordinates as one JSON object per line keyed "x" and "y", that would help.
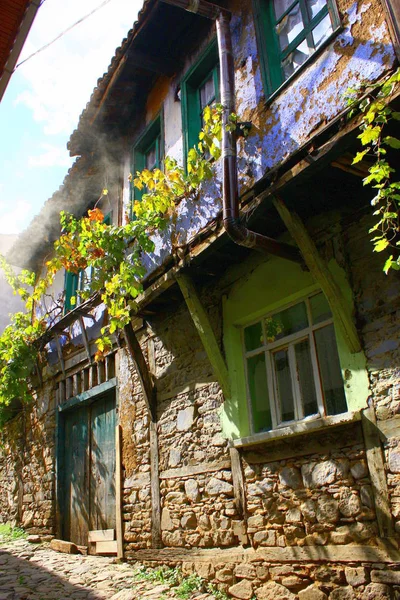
{"x": 236, "y": 230}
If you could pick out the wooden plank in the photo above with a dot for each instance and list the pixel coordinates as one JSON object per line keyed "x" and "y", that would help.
{"x": 205, "y": 331}
{"x": 319, "y": 270}
{"x": 376, "y": 468}
{"x": 85, "y": 338}
{"x": 142, "y": 370}
{"x": 101, "y": 535}
{"x": 392, "y": 10}
{"x": 155, "y": 488}
{"x": 118, "y": 492}
{"x": 60, "y": 354}
{"x": 238, "y": 481}
{"x": 195, "y": 470}
{"x": 107, "y": 547}
{"x": 89, "y": 394}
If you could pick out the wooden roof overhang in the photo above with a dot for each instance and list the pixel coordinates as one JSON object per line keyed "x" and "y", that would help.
{"x": 16, "y": 18}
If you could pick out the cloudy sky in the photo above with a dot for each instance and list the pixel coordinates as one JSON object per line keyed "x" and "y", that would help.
{"x": 45, "y": 97}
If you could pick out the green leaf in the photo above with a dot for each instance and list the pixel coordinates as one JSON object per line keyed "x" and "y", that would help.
{"x": 370, "y": 134}
{"x": 381, "y": 245}
{"x": 392, "y": 142}
{"x": 360, "y": 155}
{"x": 388, "y": 264}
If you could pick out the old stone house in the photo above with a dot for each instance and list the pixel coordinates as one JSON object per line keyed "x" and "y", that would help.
{"x": 248, "y": 427}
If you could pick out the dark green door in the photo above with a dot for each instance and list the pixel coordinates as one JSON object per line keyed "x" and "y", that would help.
{"x": 89, "y": 469}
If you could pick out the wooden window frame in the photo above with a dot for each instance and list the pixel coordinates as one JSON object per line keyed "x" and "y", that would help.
{"x": 153, "y": 133}
{"x": 190, "y": 99}
{"x": 288, "y": 342}
{"x": 271, "y": 55}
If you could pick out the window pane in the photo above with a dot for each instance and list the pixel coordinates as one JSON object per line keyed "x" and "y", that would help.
{"x": 285, "y": 323}
{"x": 329, "y": 366}
{"x": 295, "y": 59}
{"x": 281, "y": 6}
{"x": 207, "y": 92}
{"x": 258, "y": 388}
{"x": 320, "y": 310}
{"x": 314, "y": 6}
{"x": 306, "y": 378}
{"x": 253, "y": 337}
{"x": 151, "y": 157}
{"x": 284, "y": 385}
{"x": 290, "y": 27}
{"x": 322, "y": 31}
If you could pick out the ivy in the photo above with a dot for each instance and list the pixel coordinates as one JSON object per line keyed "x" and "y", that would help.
{"x": 114, "y": 254}
{"x": 376, "y": 115}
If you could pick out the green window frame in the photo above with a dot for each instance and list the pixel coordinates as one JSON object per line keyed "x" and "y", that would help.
{"x": 292, "y": 365}
{"x": 76, "y": 282}
{"x": 147, "y": 152}
{"x": 193, "y": 98}
{"x": 285, "y": 52}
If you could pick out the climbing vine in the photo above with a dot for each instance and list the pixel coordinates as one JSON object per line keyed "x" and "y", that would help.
{"x": 376, "y": 115}
{"x": 113, "y": 253}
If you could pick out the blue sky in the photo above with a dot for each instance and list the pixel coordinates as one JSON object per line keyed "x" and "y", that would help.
{"x": 45, "y": 97}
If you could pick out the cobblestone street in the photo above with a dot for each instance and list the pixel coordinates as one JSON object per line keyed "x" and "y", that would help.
{"x": 35, "y": 572}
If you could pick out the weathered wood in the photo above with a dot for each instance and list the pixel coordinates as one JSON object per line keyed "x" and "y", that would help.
{"x": 289, "y": 554}
{"x": 155, "y": 488}
{"x": 142, "y": 370}
{"x": 205, "y": 331}
{"x": 195, "y": 469}
{"x": 63, "y": 546}
{"x": 106, "y": 547}
{"x": 376, "y": 468}
{"x": 101, "y": 535}
{"x": 238, "y": 482}
{"x": 89, "y": 394}
{"x": 319, "y": 270}
{"x": 118, "y": 493}
{"x": 392, "y": 10}
{"x": 60, "y": 354}
{"x": 85, "y": 338}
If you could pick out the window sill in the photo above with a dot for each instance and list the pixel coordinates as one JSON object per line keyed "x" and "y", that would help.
{"x": 297, "y": 429}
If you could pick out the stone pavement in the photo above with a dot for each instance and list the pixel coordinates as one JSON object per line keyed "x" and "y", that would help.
{"x": 35, "y": 572}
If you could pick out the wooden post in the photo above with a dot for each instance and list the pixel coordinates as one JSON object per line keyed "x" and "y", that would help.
{"x": 141, "y": 368}
{"x": 319, "y": 270}
{"x": 155, "y": 488}
{"x": 238, "y": 481}
{"x": 205, "y": 331}
{"x": 118, "y": 494}
{"x": 376, "y": 468}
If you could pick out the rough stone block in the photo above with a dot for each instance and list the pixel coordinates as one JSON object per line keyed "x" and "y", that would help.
{"x": 185, "y": 419}
{"x": 242, "y": 590}
{"x": 291, "y": 477}
{"x": 356, "y": 576}
{"x": 225, "y": 576}
{"x": 377, "y": 591}
{"x": 245, "y": 571}
{"x": 359, "y": 469}
{"x": 319, "y": 474}
{"x": 255, "y": 523}
{"x": 63, "y": 546}
{"x": 192, "y": 490}
{"x": 312, "y": 592}
{"x": 215, "y": 487}
{"x": 385, "y": 576}
{"x": 189, "y": 521}
{"x": 349, "y": 504}
{"x": 327, "y": 510}
{"x": 274, "y": 591}
{"x": 166, "y": 521}
{"x": 342, "y": 593}
{"x": 265, "y": 538}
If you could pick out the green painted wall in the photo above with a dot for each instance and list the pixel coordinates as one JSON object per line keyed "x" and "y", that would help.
{"x": 267, "y": 287}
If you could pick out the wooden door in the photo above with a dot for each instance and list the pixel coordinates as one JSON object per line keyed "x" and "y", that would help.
{"x": 88, "y": 491}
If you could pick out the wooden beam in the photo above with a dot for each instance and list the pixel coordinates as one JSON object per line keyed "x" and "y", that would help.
{"x": 238, "y": 481}
{"x": 205, "y": 331}
{"x": 85, "y": 338}
{"x": 118, "y": 493}
{"x": 392, "y": 11}
{"x": 142, "y": 370}
{"x": 162, "y": 65}
{"x": 60, "y": 354}
{"x": 319, "y": 270}
{"x": 376, "y": 468}
{"x": 155, "y": 488}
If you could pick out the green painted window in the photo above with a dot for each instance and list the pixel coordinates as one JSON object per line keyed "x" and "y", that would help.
{"x": 148, "y": 153}
{"x": 199, "y": 88}
{"x": 292, "y": 365}
{"x": 78, "y": 282}
{"x": 289, "y": 34}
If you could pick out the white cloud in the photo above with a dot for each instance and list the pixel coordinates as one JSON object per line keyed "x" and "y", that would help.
{"x": 52, "y": 156}
{"x": 14, "y": 218}
{"x": 61, "y": 79}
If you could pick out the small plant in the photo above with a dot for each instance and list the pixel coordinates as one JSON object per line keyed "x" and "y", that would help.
{"x": 191, "y": 583}
{"x": 11, "y": 534}
{"x": 218, "y": 594}
{"x": 21, "y": 580}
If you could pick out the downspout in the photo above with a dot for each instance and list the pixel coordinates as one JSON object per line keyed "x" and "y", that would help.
{"x": 233, "y": 225}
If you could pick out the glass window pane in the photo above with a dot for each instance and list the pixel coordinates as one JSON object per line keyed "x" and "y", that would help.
{"x": 151, "y": 157}
{"x": 207, "y": 92}
{"x": 284, "y": 385}
{"x": 296, "y": 58}
{"x": 286, "y": 322}
{"x": 320, "y": 310}
{"x": 306, "y": 378}
{"x": 253, "y": 337}
{"x": 258, "y": 388}
{"x": 329, "y": 367}
{"x": 322, "y": 31}
{"x": 314, "y": 6}
{"x": 290, "y": 27}
{"x": 281, "y": 6}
